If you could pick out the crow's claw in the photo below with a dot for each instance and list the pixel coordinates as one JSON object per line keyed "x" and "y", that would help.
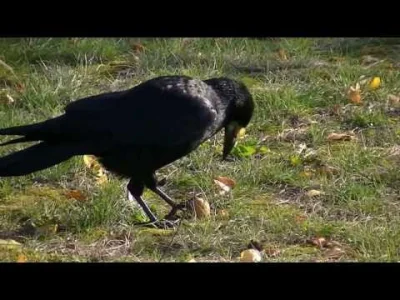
{"x": 161, "y": 224}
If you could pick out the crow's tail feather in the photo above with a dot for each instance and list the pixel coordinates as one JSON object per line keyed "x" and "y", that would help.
{"x": 35, "y": 158}
{"x": 21, "y": 130}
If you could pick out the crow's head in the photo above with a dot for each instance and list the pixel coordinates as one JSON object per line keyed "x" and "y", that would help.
{"x": 239, "y": 108}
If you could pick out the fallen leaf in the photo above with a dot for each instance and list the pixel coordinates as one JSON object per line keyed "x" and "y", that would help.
{"x": 340, "y": 137}
{"x": 90, "y": 161}
{"x": 272, "y": 252}
{"x": 22, "y": 258}
{"x": 314, "y": 193}
{"x": 241, "y": 133}
{"x": 75, "y": 194}
{"x": 101, "y": 176}
{"x": 225, "y": 184}
{"x": 282, "y": 54}
{"x": 354, "y": 94}
{"x": 250, "y": 255}
{"x": 375, "y": 83}
{"x": 201, "y": 208}
{"x": 192, "y": 260}
{"x": 318, "y": 241}
{"x": 227, "y": 181}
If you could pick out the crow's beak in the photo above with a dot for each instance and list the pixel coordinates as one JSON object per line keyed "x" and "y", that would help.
{"x": 231, "y": 132}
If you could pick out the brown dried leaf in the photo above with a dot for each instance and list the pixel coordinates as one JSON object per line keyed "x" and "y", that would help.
{"x": 354, "y": 94}
{"x": 227, "y": 181}
{"x": 22, "y": 258}
{"x": 75, "y": 194}
{"x": 340, "y": 137}
{"x": 272, "y": 252}
{"x": 225, "y": 184}
{"x": 318, "y": 241}
{"x": 201, "y": 208}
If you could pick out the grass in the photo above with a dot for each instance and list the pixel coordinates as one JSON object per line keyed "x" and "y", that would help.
{"x": 300, "y": 99}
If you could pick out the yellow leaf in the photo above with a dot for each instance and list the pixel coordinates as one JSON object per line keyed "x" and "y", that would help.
{"x": 22, "y": 258}
{"x": 314, "y": 193}
{"x": 241, "y": 133}
{"x": 375, "y": 83}
{"x": 250, "y": 255}
{"x": 89, "y": 161}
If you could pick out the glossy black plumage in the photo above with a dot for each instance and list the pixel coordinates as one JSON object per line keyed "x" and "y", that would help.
{"x": 137, "y": 131}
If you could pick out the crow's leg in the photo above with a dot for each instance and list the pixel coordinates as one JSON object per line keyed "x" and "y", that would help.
{"x": 151, "y": 183}
{"x": 136, "y": 190}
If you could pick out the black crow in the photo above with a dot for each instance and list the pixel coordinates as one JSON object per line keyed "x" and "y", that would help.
{"x": 135, "y": 132}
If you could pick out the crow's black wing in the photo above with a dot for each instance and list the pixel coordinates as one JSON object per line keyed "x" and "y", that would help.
{"x": 144, "y": 116}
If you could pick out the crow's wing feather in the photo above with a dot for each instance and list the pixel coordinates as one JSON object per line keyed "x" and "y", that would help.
{"x": 150, "y": 116}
